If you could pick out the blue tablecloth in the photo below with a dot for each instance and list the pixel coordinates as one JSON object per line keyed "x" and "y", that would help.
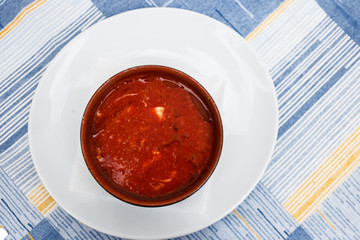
{"x": 311, "y": 188}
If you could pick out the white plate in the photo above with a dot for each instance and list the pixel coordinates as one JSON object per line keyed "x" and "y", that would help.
{"x": 200, "y": 46}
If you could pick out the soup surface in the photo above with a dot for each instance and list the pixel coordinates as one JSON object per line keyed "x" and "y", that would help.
{"x": 152, "y": 136}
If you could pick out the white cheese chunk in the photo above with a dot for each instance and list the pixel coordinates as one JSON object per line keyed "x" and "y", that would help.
{"x": 159, "y": 111}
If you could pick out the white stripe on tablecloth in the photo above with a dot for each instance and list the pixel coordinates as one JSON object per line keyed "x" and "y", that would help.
{"x": 41, "y": 25}
{"x": 309, "y": 60}
{"x": 276, "y": 41}
{"x": 43, "y": 55}
{"x": 312, "y": 141}
{"x": 293, "y": 56}
{"x": 72, "y": 17}
{"x": 308, "y": 141}
{"x": 329, "y": 65}
{"x": 319, "y": 115}
{"x": 28, "y": 66}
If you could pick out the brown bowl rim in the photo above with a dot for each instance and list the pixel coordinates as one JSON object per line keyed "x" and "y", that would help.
{"x": 189, "y": 190}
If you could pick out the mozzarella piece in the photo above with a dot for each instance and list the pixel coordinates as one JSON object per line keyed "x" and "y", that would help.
{"x": 159, "y": 111}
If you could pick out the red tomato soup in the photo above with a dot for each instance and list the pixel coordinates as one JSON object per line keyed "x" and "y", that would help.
{"x": 152, "y": 136}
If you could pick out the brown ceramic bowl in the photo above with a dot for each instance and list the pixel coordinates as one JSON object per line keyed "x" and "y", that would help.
{"x": 132, "y": 181}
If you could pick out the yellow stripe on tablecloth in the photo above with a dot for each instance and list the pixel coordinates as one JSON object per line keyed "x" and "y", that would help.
{"x": 269, "y": 20}
{"x": 32, "y": 194}
{"x": 42, "y": 199}
{"x": 30, "y": 236}
{"x": 325, "y": 178}
{"x": 333, "y": 227}
{"x": 242, "y": 219}
{"x": 44, "y": 204}
{"x": 20, "y": 17}
{"x": 49, "y": 207}
{"x": 322, "y": 172}
{"x": 332, "y": 187}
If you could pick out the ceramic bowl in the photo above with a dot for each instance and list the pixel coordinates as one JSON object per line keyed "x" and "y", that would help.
{"x": 201, "y": 100}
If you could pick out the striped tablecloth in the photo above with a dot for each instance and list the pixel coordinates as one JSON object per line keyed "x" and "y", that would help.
{"x": 310, "y": 190}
